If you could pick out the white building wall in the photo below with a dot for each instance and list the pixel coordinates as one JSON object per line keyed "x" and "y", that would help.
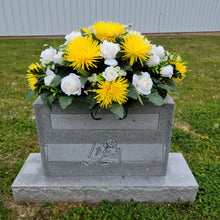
{"x": 59, "y": 17}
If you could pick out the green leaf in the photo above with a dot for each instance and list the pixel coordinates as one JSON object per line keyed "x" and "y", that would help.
{"x": 30, "y": 95}
{"x": 65, "y": 101}
{"x": 117, "y": 109}
{"x": 165, "y": 87}
{"x": 48, "y": 99}
{"x": 82, "y": 72}
{"x": 155, "y": 80}
{"x": 155, "y": 99}
{"x": 83, "y": 32}
{"x": 90, "y": 98}
{"x": 56, "y": 81}
{"x": 176, "y": 93}
{"x": 83, "y": 80}
{"x": 126, "y": 67}
{"x": 95, "y": 38}
{"x": 95, "y": 110}
{"x": 172, "y": 84}
{"x": 162, "y": 93}
{"x": 132, "y": 92}
{"x": 138, "y": 72}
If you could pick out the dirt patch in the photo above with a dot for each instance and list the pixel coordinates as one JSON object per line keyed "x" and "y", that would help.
{"x": 40, "y": 210}
{"x": 182, "y": 125}
{"x": 22, "y": 211}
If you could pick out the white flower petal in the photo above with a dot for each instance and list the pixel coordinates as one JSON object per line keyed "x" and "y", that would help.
{"x": 159, "y": 51}
{"x": 111, "y": 62}
{"x": 153, "y": 60}
{"x": 142, "y": 83}
{"x": 109, "y": 51}
{"x": 72, "y": 35}
{"x": 110, "y": 74}
{"x": 50, "y": 76}
{"x": 71, "y": 85}
{"x": 47, "y": 56}
{"x": 58, "y": 58}
{"x": 166, "y": 71}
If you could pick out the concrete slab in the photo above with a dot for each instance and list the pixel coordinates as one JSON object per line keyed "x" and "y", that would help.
{"x": 32, "y": 186}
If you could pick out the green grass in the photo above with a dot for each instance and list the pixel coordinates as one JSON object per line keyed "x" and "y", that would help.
{"x": 196, "y": 133}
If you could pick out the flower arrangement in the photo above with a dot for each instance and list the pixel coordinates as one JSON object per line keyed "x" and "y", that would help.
{"x": 107, "y": 65}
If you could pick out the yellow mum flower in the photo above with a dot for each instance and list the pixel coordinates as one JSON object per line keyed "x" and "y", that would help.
{"x": 82, "y": 52}
{"x": 181, "y": 68}
{"x": 32, "y": 80}
{"x": 114, "y": 91}
{"x": 31, "y": 77}
{"x": 177, "y": 80}
{"x": 108, "y": 30}
{"x": 136, "y": 47}
{"x": 34, "y": 67}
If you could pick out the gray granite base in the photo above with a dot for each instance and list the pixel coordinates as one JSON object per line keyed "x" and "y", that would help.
{"x": 32, "y": 186}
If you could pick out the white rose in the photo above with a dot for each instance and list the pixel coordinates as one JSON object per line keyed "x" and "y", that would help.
{"x": 142, "y": 83}
{"x": 109, "y": 51}
{"x": 50, "y": 76}
{"x": 153, "y": 60}
{"x": 166, "y": 71}
{"x": 71, "y": 85}
{"x": 58, "y": 58}
{"x": 110, "y": 74}
{"x": 47, "y": 56}
{"x": 72, "y": 35}
{"x": 159, "y": 51}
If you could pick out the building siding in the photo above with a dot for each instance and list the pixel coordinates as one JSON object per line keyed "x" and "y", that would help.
{"x": 59, "y": 17}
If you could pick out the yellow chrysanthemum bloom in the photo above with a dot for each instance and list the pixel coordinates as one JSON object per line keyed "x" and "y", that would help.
{"x": 34, "y": 66}
{"x": 108, "y": 30}
{"x": 181, "y": 68}
{"x": 177, "y": 80}
{"x": 114, "y": 91}
{"x": 136, "y": 47}
{"x": 32, "y": 80}
{"x": 82, "y": 52}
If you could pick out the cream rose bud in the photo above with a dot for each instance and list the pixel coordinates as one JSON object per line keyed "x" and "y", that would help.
{"x": 71, "y": 85}
{"x": 153, "y": 60}
{"x": 109, "y": 51}
{"x": 110, "y": 73}
{"x": 166, "y": 71}
{"x": 142, "y": 83}
{"x": 50, "y": 76}
{"x": 58, "y": 58}
{"x": 72, "y": 35}
{"x": 47, "y": 56}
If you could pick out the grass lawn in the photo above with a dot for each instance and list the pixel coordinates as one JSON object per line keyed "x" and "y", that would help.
{"x": 196, "y": 133}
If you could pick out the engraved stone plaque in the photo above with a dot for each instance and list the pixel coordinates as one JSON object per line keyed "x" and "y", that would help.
{"x": 72, "y": 143}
